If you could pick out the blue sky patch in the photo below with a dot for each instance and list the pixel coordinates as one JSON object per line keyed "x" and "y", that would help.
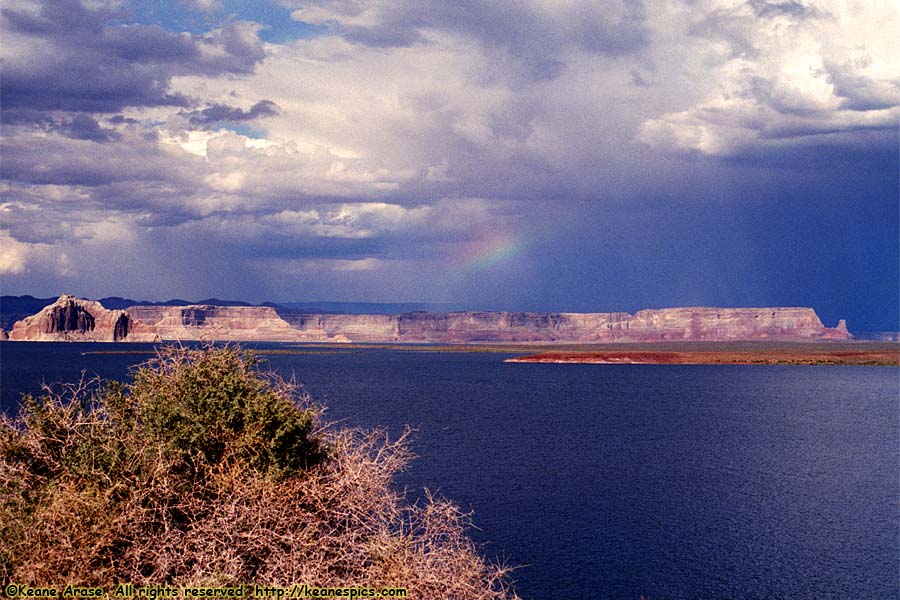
{"x": 278, "y": 27}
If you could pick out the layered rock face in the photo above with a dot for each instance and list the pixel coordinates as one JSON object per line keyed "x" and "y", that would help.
{"x": 235, "y": 323}
{"x": 687, "y": 324}
{"x": 72, "y": 319}
{"x": 77, "y": 320}
{"x": 508, "y": 327}
{"x": 356, "y": 328}
{"x": 714, "y": 324}
{"x": 671, "y": 324}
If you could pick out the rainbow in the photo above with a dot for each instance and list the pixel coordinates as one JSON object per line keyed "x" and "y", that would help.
{"x": 489, "y": 251}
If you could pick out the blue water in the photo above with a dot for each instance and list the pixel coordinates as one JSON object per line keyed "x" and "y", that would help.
{"x": 616, "y": 481}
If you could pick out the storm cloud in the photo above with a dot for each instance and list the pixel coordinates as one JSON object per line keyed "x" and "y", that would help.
{"x": 65, "y": 56}
{"x": 219, "y": 113}
{"x": 554, "y": 155}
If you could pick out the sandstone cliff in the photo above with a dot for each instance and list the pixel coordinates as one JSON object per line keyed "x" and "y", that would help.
{"x": 72, "y": 319}
{"x": 715, "y": 324}
{"x": 357, "y": 328}
{"x": 671, "y": 324}
{"x": 76, "y": 320}
{"x": 234, "y": 323}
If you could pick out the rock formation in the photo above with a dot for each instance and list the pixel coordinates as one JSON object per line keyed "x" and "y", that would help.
{"x": 842, "y": 327}
{"x": 674, "y": 324}
{"x": 714, "y": 324}
{"x": 72, "y": 319}
{"x": 234, "y": 323}
{"x": 76, "y": 320}
{"x": 670, "y": 324}
{"x": 356, "y": 328}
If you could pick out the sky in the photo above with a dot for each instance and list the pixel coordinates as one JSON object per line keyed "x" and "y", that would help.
{"x": 559, "y": 155}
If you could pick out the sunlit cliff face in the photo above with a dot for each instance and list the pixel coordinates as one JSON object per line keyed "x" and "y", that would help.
{"x": 74, "y": 319}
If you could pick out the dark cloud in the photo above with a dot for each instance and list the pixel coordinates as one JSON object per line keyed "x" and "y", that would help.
{"x": 547, "y": 70}
{"x": 61, "y": 17}
{"x": 148, "y": 44}
{"x": 731, "y": 27}
{"x": 66, "y": 83}
{"x": 638, "y": 80}
{"x": 290, "y": 247}
{"x": 243, "y": 49}
{"x": 535, "y": 37}
{"x": 614, "y": 38}
{"x": 801, "y": 129}
{"x": 122, "y": 119}
{"x": 791, "y": 8}
{"x": 12, "y": 117}
{"x": 529, "y": 31}
{"x": 87, "y": 64}
{"x": 218, "y": 113}
{"x": 35, "y": 158}
{"x": 261, "y": 234}
{"x": 382, "y": 36}
{"x": 802, "y": 151}
{"x": 768, "y": 92}
{"x": 83, "y": 127}
{"x": 860, "y": 93}
{"x": 34, "y": 220}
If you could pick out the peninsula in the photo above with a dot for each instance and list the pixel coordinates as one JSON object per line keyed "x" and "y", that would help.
{"x": 726, "y": 353}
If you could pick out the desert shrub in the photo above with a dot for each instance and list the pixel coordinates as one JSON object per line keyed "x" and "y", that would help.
{"x": 215, "y": 407}
{"x": 203, "y": 470}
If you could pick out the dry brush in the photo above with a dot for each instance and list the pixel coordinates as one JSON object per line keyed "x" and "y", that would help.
{"x": 205, "y": 471}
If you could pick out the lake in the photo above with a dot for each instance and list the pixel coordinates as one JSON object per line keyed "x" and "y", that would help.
{"x": 616, "y": 481}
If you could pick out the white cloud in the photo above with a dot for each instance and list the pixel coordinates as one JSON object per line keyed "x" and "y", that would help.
{"x": 226, "y": 182}
{"x": 363, "y": 264}
{"x": 346, "y": 12}
{"x": 414, "y": 123}
{"x": 20, "y": 258}
{"x": 445, "y": 219}
{"x": 207, "y": 6}
{"x": 772, "y": 76}
{"x": 418, "y": 122}
{"x": 13, "y": 254}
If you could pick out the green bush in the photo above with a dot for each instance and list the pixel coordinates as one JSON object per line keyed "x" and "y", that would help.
{"x": 213, "y": 407}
